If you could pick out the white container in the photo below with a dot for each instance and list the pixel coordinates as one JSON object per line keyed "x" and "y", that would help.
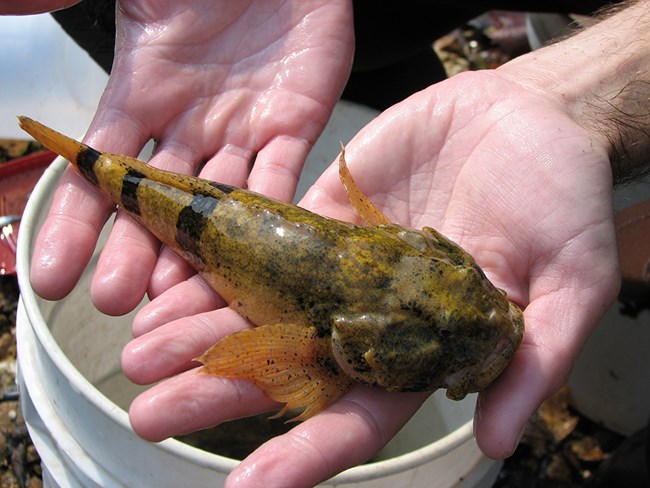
{"x": 610, "y": 381}
{"x": 74, "y": 396}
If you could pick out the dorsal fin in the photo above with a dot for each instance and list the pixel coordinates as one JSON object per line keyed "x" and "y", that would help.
{"x": 370, "y": 214}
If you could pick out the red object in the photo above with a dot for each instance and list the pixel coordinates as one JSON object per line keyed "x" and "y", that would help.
{"x": 17, "y": 180}
{"x": 633, "y": 239}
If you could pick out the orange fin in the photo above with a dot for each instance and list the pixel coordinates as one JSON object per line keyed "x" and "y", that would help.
{"x": 366, "y": 209}
{"x": 53, "y": 140}
{"x": 290, "y": 363}
{"x": 83, "y": 157}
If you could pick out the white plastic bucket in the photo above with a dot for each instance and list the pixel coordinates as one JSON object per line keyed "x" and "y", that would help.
{"x": 610, "y": 381}
{"x": 74, "y": 396}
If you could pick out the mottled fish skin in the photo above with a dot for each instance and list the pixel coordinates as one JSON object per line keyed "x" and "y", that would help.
{"x": 402, "y": 309}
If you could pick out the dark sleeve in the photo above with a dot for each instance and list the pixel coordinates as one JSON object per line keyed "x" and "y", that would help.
{"x": 91, "y": 24}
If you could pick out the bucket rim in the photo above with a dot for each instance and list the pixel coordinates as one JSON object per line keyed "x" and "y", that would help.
{"x": 37, "y": 203}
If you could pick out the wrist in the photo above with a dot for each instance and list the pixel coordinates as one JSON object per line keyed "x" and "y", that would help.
{"x": 601, "y": 78}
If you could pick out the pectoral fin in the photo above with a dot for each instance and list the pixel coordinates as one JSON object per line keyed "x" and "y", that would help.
{"x": 370, "y": 214}
{"x": 290, "y": 363}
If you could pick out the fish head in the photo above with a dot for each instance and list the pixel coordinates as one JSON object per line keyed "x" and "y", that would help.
{"x": 448, "y": 327}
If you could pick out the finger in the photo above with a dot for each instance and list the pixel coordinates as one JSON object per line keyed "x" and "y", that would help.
{"x": 124, "y": 267}
{"x": 539, "y": 368}
{"x": 174, "y": 304}
{"x": 503, "y": 410}
{"x": 66, "y": 241}
{"x": 278, "y": 166}
{"x": 230, "y": 165}
{"x": 218, "y": 147}
{"x": 170, "y": 271}
{"x": 347, "y": 433}
{"x": 193, "y": 401}
{"x": 171, "y": 348}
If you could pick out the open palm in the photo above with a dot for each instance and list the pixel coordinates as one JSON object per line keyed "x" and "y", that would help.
{"x": 496, "y": 167}
{"x": 237, "y": 90}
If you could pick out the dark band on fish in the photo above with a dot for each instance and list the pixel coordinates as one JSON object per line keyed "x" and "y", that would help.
{"x": 129, "y": 196}
{"x": 86, "y": 160}
{"x": 192, "y": 221}
{"x": 224, "y": 188}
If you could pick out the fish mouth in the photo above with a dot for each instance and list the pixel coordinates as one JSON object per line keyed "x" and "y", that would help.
{"x": 341, "y": 360}
{"x": 497, "y": 361}
{"x": 502, "y": 353}
{"x": 475, "y": 378}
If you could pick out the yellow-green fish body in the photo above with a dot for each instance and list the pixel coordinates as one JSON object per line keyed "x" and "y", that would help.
{"x": 401, "y": 309}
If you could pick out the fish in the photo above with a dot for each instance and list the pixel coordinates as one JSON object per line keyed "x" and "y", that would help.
{"x": 333, "y": 303}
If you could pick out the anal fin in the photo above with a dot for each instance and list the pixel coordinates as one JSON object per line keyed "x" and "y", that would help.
{"x": 289, "y": 362}
{"x": 370, "y": 214}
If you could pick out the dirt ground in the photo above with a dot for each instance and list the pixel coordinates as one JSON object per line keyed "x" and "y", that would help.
{"x": 19, "y": 462}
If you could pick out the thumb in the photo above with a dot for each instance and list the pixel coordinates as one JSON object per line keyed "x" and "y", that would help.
{"x": 557, "y": 326}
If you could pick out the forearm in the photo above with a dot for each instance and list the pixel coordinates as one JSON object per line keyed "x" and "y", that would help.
{"x": 601, "y": 76}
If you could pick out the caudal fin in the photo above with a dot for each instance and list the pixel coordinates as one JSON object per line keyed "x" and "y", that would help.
{"x": 53, "y": 140}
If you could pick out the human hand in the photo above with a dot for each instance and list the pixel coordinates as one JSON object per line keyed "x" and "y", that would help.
{"x": 239, "y": 90}
{"x": 26, "y": 7}
{"x": 503, "y": 171}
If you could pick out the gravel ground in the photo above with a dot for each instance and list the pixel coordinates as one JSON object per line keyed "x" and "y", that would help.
{"x": 19, "y": 462}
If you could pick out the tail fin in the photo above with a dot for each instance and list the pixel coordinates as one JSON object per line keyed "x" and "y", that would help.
{"x": 53, "y": 140}
{"x": 84, "y": 157}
